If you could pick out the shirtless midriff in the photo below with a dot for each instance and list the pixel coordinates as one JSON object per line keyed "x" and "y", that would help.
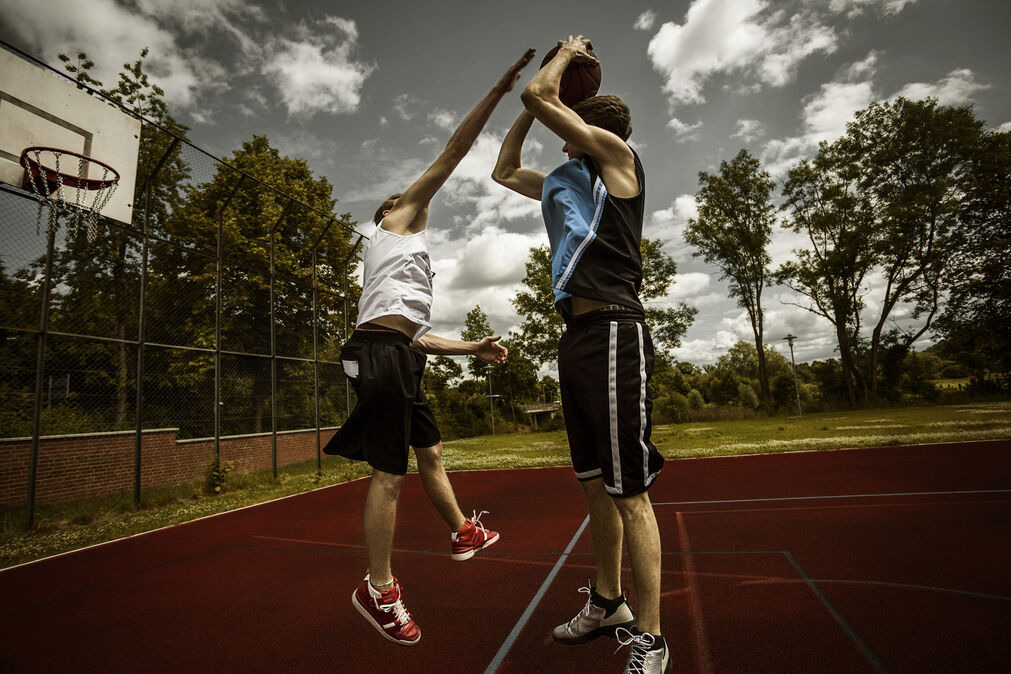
{"x": 396, "y": 322}
{"x": 580, "y": 305}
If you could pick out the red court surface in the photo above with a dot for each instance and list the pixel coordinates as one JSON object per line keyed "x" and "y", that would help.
{"x": 887, "y": 559}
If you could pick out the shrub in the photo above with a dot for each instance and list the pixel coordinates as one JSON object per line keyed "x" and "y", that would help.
{"x": 216, "y": 475}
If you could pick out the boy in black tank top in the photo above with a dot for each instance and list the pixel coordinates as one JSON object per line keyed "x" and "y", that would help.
{"x": 593, "y": 211}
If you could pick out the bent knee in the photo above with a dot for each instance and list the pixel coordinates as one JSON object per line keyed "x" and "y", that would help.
{"x": 429, "y": 455}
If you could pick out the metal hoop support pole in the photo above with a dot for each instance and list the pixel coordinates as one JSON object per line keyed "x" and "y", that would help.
{"x": 141, "y": 323}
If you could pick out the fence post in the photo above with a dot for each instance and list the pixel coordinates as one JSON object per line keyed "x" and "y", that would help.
{"x": 141, "y": 327}
{"x": 347, "y": 385}
{"x": 273, "y": 343}
{"x": 219, "y": 259}
{"x": 315, "y": 340}
{"x": 40, "y": 364}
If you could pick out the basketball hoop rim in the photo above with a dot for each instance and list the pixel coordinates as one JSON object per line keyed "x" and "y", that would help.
{"x": 38, "y": 170}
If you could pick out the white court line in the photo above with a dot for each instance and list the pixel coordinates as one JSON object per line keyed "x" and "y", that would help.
{"x": 815, "y": 498}
{"x": 521, "y": 623}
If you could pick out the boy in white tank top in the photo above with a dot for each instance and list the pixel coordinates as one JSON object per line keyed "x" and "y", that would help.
{"x": 385, "y": 360}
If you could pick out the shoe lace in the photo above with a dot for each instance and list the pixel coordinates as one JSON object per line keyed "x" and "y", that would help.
{"x": 397, "y": 608}
{"x": 641, "y": 645}
{"x": 476, "y": 518}
{"x": 586, "y": 608}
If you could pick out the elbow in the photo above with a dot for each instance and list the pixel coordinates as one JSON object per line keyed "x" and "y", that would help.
{"x": 501, "y": 176}
{"x": 530, "y": 97}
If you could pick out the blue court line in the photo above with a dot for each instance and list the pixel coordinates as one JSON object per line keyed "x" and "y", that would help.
{"x": 815, "y": 498}
{"x": 521, "y": 623}
{"x": 864, "y": 648}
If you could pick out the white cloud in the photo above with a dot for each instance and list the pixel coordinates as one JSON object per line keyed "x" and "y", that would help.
{"x": 492, "y": 258}
{"x": 444, "y": 119}
{"x": 1005, "y": 127}
{"x": 824, "y": 118}
{"x": 955, "y": 89}
{"x": 487, "y": 271}
{"x": 404, "y": 105}
{"x": 684, "y": 132}
{"x": 668, "y": 225}
{"x": 112, "y": 35}
{"x": 690, "y": 286}
{"x": 857, "y": 7}
{"x": 202, "y": 17}
{"x": 645, "y": 20}
{"x": 316, "y": 71}
{"x": 749, "y": 130}
{"x": 730, "y": 36}
{"x": 486, "y": 203}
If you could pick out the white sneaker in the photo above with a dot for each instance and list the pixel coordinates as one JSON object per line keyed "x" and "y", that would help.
{"x": 593, "y": 621}
{"x": 644, "y": 658}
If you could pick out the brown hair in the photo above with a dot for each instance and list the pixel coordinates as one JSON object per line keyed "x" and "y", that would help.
{"x": 387, "y": 205}
{"x": 607, "y": 112}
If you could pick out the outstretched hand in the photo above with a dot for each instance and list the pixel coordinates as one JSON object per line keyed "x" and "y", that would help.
{"x": 490, "y": 351}
{"x": 513, "y": 74}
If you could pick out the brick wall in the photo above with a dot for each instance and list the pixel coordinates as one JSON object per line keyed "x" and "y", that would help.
{"x": 72, "y": 467}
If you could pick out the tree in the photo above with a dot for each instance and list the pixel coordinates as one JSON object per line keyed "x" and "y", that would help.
{"x": 475, "y": 328}
{"x": 912, "y": 160}
{"x": 100, "y": 276}
{"x": 732, "y": 231}
{"x": 252, "y": 215}
{"x": 975, "y": 321}
{"x": 824, "y": 202}
{"x": 441, "y": 372}
{"x": 542, "y": 326}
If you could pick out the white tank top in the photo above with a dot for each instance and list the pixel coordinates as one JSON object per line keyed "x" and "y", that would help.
{"x": 397, "y": 279}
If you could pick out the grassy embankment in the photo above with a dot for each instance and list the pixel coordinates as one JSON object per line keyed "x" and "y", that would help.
{"x": 70, "y": 526}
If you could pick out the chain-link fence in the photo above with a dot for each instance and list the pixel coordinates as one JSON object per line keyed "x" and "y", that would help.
{"x": 219, "y": 311}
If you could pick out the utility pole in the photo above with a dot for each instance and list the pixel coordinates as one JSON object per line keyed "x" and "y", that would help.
{"x": 796, "y": 386}
{"x": 491, "y": 399}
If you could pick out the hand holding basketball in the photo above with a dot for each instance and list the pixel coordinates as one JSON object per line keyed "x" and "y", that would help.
{"x": 581, "y": 48}
{"x": 581, "y": 79}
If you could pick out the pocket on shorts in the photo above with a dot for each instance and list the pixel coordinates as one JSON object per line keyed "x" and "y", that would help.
{"x": 349, "y": 360}
{"x": 350, "y": 368}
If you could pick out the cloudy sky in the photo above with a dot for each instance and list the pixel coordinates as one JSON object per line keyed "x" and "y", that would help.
{"x": 368, "y": 92}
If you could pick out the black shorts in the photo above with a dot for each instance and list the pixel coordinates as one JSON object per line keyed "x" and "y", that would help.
{"x": 605, "y": 361}
{"x": 391, "y": 413}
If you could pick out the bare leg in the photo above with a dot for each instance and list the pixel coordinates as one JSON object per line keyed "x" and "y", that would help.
{"x": 643, "y": 539}
{"x": 437, "y": 486}
{"x": 606, "y": 530}
{"x": 380, "y": 519}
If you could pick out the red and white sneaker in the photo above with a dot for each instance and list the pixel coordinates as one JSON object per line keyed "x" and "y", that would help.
{"x": 385, "y": 610}
{"x": 471, "y": 538}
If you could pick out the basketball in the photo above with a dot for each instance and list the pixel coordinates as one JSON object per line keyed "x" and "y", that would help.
{"x": 579, "y": 81}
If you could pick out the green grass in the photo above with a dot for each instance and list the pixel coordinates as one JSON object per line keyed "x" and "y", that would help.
{"x": 70, "y": 526}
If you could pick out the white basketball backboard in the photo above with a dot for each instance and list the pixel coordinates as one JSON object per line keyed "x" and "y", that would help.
{"x": 40, "y": 108}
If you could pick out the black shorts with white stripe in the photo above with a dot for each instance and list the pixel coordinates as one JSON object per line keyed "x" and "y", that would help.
{"x": 605, "y": 361}
{"x": 392, "y": 411}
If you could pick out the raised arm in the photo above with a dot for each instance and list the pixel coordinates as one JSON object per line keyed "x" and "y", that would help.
{"x": 509, "y": 171}
{"x": 541, "y": 98}
{"x": 410, "y": 212}
{"x": 488, "y": 349}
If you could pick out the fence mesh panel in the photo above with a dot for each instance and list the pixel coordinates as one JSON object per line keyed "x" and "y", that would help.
{"x": 183, "y": 294}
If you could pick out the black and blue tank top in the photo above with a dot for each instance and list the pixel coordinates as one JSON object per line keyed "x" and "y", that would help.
{"x": 594, "y": 236}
